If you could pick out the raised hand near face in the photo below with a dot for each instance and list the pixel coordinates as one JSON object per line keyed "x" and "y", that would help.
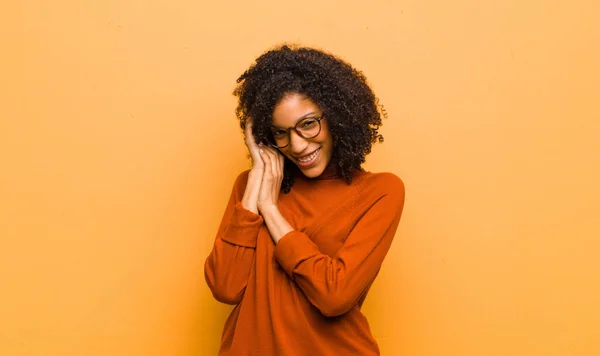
{"x": 272, "y": 177}
{"x": 257, "y": 161}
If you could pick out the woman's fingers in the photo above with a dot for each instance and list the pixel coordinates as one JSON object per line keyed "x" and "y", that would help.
{"x": 273, "y": 157}
{"x": 281, "y": 161}
{"x": 272, "y": 176}
{"x": 268, "y": 159}
{"x": 276, "y": 160}
{"x": 257, "y": 162}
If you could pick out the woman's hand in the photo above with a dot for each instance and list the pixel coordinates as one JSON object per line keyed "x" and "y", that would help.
{"x": 270, "y": 186}
{"x": 257, "y": 161}
{"x": 268, "y": 196}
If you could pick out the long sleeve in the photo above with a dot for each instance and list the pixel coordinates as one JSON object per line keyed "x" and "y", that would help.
{"x": 227, "y": 267}
{"x": 335, "y": 284}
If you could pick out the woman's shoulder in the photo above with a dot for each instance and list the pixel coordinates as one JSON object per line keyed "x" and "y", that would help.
{"x": 239, "y": 184}
{"x": 242, "y": 177}
{"x": 381, "y": 183}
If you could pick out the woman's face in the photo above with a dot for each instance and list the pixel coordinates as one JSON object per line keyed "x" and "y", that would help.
{"x": 310, "y": 155}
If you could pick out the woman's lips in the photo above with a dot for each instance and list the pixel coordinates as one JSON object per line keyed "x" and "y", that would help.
{"x": 308, "y": 160}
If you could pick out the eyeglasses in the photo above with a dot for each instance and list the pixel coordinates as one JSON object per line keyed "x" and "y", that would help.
{"x": 309, "y": 127}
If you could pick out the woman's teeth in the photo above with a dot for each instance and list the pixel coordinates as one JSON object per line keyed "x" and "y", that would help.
{"x": 309, "y": 158}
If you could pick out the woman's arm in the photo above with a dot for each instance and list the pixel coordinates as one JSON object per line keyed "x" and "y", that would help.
{"x": 268, "y": 197}
{"x": 335, "y": 284}
{"x": 227, "y": 267}
{"x": 332, "y": 284}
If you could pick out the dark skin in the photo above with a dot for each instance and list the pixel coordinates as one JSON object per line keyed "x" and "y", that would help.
{"x": 264, "y": 184}
{"x": 265, "y": 178}
{"x": 352, "y": 112}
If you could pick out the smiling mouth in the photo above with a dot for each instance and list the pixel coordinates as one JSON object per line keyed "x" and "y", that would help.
{"x": 308, "y": 158}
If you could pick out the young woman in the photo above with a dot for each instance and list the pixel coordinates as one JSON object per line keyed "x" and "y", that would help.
{"x": 306, "y": 229}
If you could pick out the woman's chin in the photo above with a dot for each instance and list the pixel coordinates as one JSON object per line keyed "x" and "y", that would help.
{"x": 312, "y": 172}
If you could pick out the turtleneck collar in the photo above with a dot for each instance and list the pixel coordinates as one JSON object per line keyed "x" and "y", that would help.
{"x": 330, "y": 173}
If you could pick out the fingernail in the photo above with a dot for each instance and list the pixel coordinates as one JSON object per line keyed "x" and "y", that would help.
{"x": 261, "y": 151}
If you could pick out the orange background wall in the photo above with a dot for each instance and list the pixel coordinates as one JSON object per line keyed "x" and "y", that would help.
{"x": 119, "y": 146}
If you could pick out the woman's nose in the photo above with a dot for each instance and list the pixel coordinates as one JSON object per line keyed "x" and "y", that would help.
{"x": 297, "y": 142}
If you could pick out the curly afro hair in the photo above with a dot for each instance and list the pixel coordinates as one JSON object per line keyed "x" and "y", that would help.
{"x": 341, "y": 91}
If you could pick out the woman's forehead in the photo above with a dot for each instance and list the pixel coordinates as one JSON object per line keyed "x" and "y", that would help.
{"x": 293, "y": 108}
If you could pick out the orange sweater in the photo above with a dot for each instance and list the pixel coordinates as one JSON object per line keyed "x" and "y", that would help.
{"x": 303, "y": 296}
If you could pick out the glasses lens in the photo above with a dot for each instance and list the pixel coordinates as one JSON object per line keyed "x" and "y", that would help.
{"x": 279, "y": 138}
{"x": 309, "y": 127}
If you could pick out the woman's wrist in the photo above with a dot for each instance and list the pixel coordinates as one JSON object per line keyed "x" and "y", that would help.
{"x": 256, "y": 173}
{"x": 250, "y": 198}
{"x": 277, "y": 225}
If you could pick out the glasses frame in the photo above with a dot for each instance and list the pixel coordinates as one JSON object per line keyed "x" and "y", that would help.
{"x": 295, "y": 128}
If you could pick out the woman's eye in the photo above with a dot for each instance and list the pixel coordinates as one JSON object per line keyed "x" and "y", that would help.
{"x": 279, "y": 133}
{"x": 308, "y": 123}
